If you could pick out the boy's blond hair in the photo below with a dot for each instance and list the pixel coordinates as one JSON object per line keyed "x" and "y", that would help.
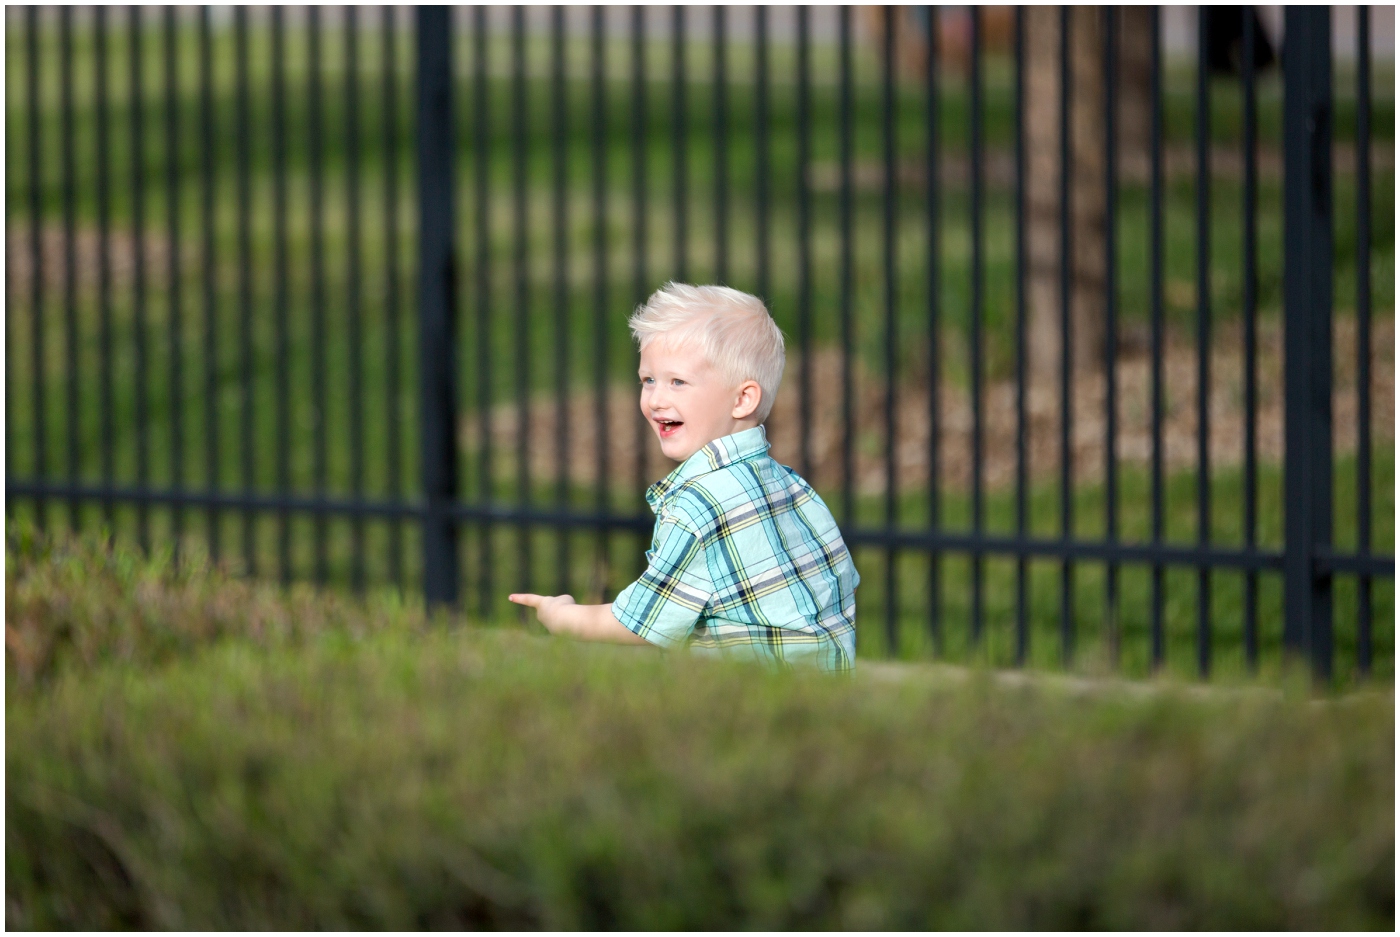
{"x": 734, "y": 329}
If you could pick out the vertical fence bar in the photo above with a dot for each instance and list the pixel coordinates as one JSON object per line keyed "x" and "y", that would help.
{"x": 559, "y": 120}
{"x": 933, "y": 188}
{"x": 11, "y": 318}
{"x": 844, "y": 210}
{"x": 70, "y": 261}
{"x": 559, "y": 146}
{"x": 209, "y": 275}
{"x": 887, "y": 106}
{"x": 640, "y": 287}
{"x": 678, "y": 138}
{"x": 104, "y": 261}
{"x": 975, "y": 314}
{"x": 1251, "y": 302}
{"x": 1202, "y": 337}
{"x": 1110, "y": 312}
{"x": 763, "y": 194}
{"x": 279, "y": 289}
{"x": 600, "y": 282}
{"x": 1022, "y": 477}
{"x": 485, "y": 352}
{"x": 1307, "y": 227}
{"x": 521, "y": 263}
{"x": 1066, "y": 344}
{"x": 721, "y": 92}
{"x": 36, "y": 258}
{"x": 353, "y": 312}
{"x": 175, "y": 321}
{"x": 318, "y": 285}
{"x": 138, "y": 270}
{"x": 245, "y": 276}
{"x": 1363, "y": 332}
{"x": 804, "y": 236}
{"x": 436, "y": 284}
{"x": 393, "y": 330}
{"x": 1156, "y": 245}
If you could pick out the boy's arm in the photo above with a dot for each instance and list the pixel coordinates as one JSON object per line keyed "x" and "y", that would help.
{"x": 561, "y": 615}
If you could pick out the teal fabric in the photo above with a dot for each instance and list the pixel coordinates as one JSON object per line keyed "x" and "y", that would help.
{"x": 745, "y": 561}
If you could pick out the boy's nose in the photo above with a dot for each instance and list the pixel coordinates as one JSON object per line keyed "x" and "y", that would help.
{"x": 652, "y": 402}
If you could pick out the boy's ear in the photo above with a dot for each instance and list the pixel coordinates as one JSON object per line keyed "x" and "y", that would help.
{"x": 746, "y": 402}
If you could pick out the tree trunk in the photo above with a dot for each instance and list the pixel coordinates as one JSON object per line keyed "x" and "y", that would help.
{"x": 1088, "y": 197}
{"x": 1134, "y": 92}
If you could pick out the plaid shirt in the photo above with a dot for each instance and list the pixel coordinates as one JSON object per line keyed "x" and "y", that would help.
{"x": 745, "y": 561}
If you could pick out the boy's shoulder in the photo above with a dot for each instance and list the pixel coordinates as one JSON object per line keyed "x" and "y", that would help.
{"x": 703, "y": 501}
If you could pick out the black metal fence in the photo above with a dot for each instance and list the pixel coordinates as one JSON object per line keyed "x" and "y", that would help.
{"x": 210, "y": 299}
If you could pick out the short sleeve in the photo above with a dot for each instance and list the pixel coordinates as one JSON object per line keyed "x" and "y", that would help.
{"x": 666, "y": 602}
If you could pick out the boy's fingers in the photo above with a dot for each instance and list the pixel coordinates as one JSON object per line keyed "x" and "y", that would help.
{"x": 527, "y": 598}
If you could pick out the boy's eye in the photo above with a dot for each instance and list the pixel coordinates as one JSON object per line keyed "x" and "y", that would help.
{"x": 677, "y": 381}
{"x": 645, "y": 381}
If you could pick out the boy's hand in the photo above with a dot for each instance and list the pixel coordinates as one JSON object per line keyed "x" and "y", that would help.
{"x": 561, "y": 615}
{"x": 547, "y": 607}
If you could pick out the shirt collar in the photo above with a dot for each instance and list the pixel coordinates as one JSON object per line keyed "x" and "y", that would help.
{"x": 714, "y": 455}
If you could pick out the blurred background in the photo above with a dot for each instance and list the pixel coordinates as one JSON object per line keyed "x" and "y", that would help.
{"x": 211, "y": 274}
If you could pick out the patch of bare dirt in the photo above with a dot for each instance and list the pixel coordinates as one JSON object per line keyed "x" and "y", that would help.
{"x": 87, "y": 247}
{"x": 912, "y": 424}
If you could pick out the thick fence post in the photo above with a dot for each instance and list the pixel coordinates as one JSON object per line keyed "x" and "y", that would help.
{"x": 436, "y": 282}
{"x": 1307, "y": 225}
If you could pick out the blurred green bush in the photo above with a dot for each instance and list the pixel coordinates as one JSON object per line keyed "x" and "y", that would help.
{"x": 185, "y": 751}
{"x": 76, "y": 603}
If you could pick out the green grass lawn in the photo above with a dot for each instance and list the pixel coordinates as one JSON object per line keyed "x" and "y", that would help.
{"x": 189, "y": 751}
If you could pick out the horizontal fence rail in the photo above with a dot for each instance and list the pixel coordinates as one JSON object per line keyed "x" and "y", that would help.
{"x": 1089, "y": 328}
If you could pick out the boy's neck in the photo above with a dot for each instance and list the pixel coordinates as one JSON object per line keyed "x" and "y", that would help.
{"x": 739, "y": 427}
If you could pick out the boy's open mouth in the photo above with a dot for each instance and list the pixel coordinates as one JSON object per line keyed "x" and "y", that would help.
{"x": 668, "y": 428}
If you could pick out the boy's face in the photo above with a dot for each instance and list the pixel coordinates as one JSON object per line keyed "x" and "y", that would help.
{"x": 687, "y": 401}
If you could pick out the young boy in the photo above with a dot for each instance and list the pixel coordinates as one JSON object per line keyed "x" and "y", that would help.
{"x": 745, "y": 560}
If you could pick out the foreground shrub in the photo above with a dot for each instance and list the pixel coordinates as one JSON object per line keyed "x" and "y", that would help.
{"x": 76, "y": 604}
{"x": 501, "y": 781}
{"x": 369, "y": 775}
